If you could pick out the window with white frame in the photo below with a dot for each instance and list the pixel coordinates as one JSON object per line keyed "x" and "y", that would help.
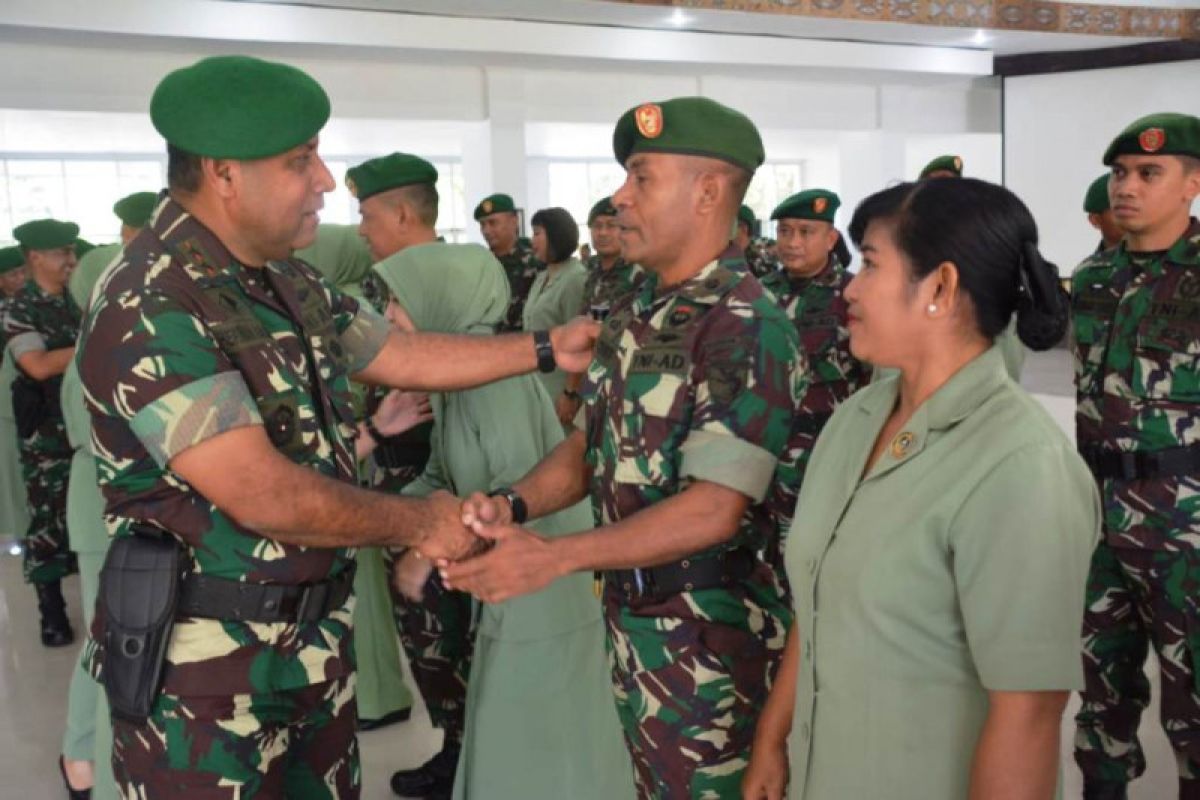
{"x": 82, "y": 189}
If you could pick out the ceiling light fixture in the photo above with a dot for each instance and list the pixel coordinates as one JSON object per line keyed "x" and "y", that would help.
{"x": 980, "y": 37}
{"x": 678, "y": 18}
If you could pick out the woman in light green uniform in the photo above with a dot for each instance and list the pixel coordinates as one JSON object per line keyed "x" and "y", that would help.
{"x": 942, "y": 538}
{"x": 540, "y": 724}
{"x": 557, "y": 292}
{"x": 88, "y": 735}
{"x": 342, "y": 257}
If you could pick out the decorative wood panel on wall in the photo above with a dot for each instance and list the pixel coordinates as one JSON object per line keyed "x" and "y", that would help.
{"x": 1016, "y": 15}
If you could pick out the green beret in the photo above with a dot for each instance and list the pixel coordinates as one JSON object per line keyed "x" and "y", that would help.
{"x": 603, "y": 208}
{"x": 494, "y": 204}
{"x": 943, "y": 163}
{"x": 45, "y": 234}
{"x": 83, "y": 247}
{"x": 693, "y": 126}
{"x": 135, "y": 209}
{"x": 389, "y": 172}
{"x": 818, "y": 204}
{"x": 10, "y": 258}
{"x": 1096, "y": 199}
{"x": 746, "y": 215}
{"x": 238, "y": 107}
{"x": 1157, "y": 135}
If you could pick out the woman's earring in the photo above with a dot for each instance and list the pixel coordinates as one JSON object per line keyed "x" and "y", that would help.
{"x": 932, "y": 308}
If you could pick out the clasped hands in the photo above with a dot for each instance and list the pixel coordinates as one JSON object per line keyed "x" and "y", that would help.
{"x": 477, "y": 549}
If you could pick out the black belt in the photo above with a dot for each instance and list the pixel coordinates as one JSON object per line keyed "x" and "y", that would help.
{"x": 1141, "y": 465}
{"x": 392, "y": 454}
{"x": 221, "y": 598}
{"x": 688, "y": 575}
{"x": 811, "y": 423}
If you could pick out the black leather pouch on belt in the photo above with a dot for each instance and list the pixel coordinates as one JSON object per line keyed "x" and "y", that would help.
{"x": 139, "y": 590}
{"x": 34, "y": 402}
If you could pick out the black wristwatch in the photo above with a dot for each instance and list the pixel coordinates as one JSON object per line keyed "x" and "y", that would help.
{"x": 372, "y": 431}
{"x": 545, "y": 351}
{"x": 520, "y": 511}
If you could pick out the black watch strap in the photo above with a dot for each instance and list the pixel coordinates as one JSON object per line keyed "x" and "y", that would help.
{"x": 545, "y": 352}
{"x": 520, "y": 511}
{"x": 372, "y": 431}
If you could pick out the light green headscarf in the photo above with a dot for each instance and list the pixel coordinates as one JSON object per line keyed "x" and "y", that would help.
{"x": 340, "y": 255}
{"x": 89, "y": 269}
{"x": 448, "y": 288}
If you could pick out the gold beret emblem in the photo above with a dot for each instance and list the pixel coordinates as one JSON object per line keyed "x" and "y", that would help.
{"x": 649, "y": 119}
{"x": 486, "y": 205}
{"x": 819, "y": 205}
{"x": 352, "y": 186}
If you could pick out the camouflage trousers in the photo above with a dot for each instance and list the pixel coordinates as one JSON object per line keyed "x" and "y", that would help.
{"x": 295, "y": 744}
{"x": 1136, "y": 598}
{"x": 45, "y": 468}
{"x": 438, "y": 638}
{"x": 689, "y": 691}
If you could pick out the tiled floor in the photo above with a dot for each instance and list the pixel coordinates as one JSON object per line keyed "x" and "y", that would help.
{"x": 33, "y": 680}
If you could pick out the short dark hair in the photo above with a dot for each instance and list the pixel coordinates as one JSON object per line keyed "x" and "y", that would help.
{"x": 990, "y": 236}
{"x": 423, "y": 197}
{"x": 562, "y": 232}
{"x": 183, "y": 170}
{"x": 1190, "y": 164}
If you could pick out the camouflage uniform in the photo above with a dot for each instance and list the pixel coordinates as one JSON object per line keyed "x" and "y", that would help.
{"x": 521, "y": 266}
{"x": 36, "y": 320}
{"x": 706, "y": 372}
{"x": 182, "y": 344}
{"x": 1137, "y": 379}
{"x": 760, "y": 259}
{"x": 817, "y": 306}
{"x": 605, "y": 287}
{"x": 436, "y": 632}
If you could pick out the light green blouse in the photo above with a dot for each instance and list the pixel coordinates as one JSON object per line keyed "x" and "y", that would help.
{"x": 956, "y": 566}
{"x": 552, "y": 301}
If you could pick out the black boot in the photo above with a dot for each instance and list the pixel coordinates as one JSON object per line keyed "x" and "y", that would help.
{"x": 1104, "y": 790}
{"x": 56, "y": 628}
{"x": 433, "y": 779}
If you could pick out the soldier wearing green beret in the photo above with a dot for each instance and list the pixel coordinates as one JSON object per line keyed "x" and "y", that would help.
{"x": 759, "y": 250}
{"x": 41, "y": 323}
{"x": 810, "y": 287}
{"x": 501, "y": 229}
{"x": 943, "y": 167}
{"x": 14, "y": 514}
{"x": 1100, "y": 214}
{"x": 216, "y": 370}
{"x": 398, "y": 203}
{"x": 687, "y": 409}
{"x": 1138, "y": 426}
{"x": 610, "y": 279}
{"x": 134, "y": 212}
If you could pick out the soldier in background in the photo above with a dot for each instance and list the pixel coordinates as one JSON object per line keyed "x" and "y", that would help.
{"x": 41, "y": 323}
{"x": 810, "y": 288}
{"x": 759, "y": 250}
{"x": 1136, "y": 381}
{"x": 501, "y": 229}
{"x": 1100, "y": 214}
{"x": 942, "y": 167}
{"x": 687, "y": 410}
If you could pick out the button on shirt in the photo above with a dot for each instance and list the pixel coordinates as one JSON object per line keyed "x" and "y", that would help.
{"x": 956, "y": 566}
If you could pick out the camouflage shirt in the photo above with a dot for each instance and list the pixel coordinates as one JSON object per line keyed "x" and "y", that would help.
{"x": 760, "y": 256}
{"x": 182, "y": 344}
{"x": 697, "y": 381}
{"x": 34, "y": 320}
{"x": 521, "y": 266}
{"x": 1137, "y": 379}
{"x": 817, "y": 307}
{"x": 605, "y": 287}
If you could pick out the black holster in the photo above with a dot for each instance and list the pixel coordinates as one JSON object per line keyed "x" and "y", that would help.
{"x": 34, "y": 402}
{"x": 139, "y": 592}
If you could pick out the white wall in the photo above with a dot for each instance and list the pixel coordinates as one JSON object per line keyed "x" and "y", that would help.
{"x": 1056, "y": 128}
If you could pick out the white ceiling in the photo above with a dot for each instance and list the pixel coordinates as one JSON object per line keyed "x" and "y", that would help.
{"x": 610, "y": 14}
